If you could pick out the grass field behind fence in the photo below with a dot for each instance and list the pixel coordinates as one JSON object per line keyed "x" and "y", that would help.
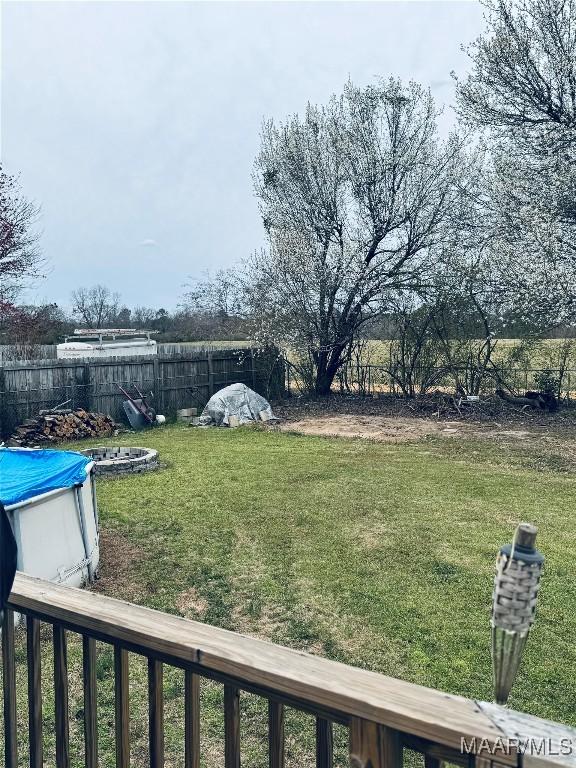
{"x": 539, "y": 354}
{"x": 376, "y": 555}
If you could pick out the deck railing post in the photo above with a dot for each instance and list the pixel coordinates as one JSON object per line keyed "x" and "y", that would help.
{"x": 90, "y": 702}
{"x": 374, "y": 746}
{"x": 61, "y": 697}
{"x": 275, "y": 735}
{"x": 324, "y": 743}
{"x": 231, "y": 727}
{"x": 34, "y": 692}
{"x": 432, "y": 762}
{"x": 121, "y": 686}
{"x": 9, "y": 681}
{"x": 156, "y": 713}
{"x": 191, "y": 720}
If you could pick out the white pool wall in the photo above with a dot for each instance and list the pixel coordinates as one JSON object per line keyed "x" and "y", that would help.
{"x": 57, "y": 534}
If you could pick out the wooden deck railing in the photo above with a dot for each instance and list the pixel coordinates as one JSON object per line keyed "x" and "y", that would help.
{"x": 383, "y": 715}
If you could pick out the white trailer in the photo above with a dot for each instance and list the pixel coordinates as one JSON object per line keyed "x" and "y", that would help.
{"x": 111, "y": 342}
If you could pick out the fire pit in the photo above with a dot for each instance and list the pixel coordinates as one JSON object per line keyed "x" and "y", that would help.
{"x": 120, "y": 461}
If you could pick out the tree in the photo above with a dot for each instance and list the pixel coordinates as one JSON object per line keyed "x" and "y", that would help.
{"x": 356, "y": 198}
{"x": 521, "y": 94}
{"x": 219, "y": 294}
{"x": 214, "y": 306}
{"x": 524, "y": 72}
{"x": 143, "y": 317}
{"x": 96, "y": 307}
{"x": 20, "y": 259}
{"x": 25, "y": 327}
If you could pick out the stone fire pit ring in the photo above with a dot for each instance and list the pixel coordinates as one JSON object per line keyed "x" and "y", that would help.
{"x": 119, "y": 460}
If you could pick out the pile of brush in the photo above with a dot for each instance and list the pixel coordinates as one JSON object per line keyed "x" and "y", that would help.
{"x": 59, "y": 425}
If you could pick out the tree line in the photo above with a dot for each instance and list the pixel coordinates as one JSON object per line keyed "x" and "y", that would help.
{"x": 202, "y": 315}
{"x": 373, "y": 219}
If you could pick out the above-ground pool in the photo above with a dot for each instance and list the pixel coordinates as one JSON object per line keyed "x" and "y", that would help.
{"x": 50, "y": 498}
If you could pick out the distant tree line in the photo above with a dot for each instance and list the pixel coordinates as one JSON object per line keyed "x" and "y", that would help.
{"x": 202, "y": 315}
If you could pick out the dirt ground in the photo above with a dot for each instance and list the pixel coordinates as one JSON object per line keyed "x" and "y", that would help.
{"x": 394, "y": 420}
{"x": 393, "y": 429}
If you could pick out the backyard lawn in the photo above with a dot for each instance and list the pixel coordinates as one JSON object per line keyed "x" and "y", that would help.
{"x": 373, "y": 554}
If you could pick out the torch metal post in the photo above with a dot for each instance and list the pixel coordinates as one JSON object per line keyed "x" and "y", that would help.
{"x": 516, "y": 586}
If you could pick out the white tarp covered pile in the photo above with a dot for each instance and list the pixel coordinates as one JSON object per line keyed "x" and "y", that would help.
{"x": 237, "y": 401}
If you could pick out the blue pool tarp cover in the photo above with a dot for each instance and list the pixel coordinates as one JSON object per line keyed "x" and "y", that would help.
{"x": 28, "y": 473}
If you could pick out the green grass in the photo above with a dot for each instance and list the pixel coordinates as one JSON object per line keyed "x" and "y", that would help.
{"x": 545, "y": 353}
{"x": 376, "y": 555}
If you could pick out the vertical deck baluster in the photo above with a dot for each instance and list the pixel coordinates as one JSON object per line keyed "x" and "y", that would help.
{"x": 121, "y": 687}
{"x": 324, "y": 743}
{"x": 275, "y": 735}
{"x": 156, "y": 713}
{"x": 432, "y": 762}
{"x": 90, "y": 702}
{"x": 231, "y": 727}
{"x": 374, "y": 745}
{"x": 34, "y": 692}
{"x": 9, "y": 680}
{"x": 61, "y": 696}
{"x": 191, "y": 720}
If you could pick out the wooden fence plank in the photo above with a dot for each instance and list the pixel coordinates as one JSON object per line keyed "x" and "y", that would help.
{"x": 62, "y": 726}
{"x": 191, "y": 720}
{"x": 324, "y": 743}
{"x": 90, "y": 702}
{"x": 231, "y": 727}
{"x": 9, "y": 684}
{"x": 156, "y": 713}
{"x": 122, "y": 706}
{"x": 34, "y": 693}
{"x": 275, "y": 735}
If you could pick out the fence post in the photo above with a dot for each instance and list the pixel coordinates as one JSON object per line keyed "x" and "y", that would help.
{"x": 87, "y": 398}
{"x": 210, "y": 374}
{"x": 2, "y": 400}
{"x": 253, "y": 368}
{"x": 158, "y": 394}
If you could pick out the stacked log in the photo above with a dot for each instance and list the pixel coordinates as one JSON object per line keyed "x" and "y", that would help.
{"x": 61, "y": 425}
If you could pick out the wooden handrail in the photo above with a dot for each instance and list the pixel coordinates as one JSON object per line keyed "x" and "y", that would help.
{"x": 426, "y": 719}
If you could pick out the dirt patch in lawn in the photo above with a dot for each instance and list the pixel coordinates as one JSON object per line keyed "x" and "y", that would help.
{"x": 382, "y": 428}
{"x": 397, "y": 429}
{"x": 397, "y": 421}
{"x": 191, "y": 604}
{"x": 118, "y": 572}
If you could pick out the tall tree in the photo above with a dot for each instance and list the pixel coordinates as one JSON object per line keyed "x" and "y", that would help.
{"x": 96, "y": 307}
{"x": 356, "y": 197}
{"x": 521, "y": 94}
{"x": 20, "y": 258}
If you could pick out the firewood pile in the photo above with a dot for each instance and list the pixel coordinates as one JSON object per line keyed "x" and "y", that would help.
{"x": 60, "y": 425}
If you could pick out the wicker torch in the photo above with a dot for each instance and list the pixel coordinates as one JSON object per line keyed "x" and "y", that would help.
{"x": 516, "y": 585}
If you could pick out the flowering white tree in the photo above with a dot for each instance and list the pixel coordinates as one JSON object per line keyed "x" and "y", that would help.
{"x": 357, "y": 198}
{"x": 521, "y": 93}
{"x": 20, "y": 258}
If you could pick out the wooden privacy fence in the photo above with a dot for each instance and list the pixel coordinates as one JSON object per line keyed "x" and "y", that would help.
{"x": 383, "y": 715}
{"x": 175, "y": 381}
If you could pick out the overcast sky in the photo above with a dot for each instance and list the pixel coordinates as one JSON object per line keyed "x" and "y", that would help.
{"x": 135, "y": 124}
